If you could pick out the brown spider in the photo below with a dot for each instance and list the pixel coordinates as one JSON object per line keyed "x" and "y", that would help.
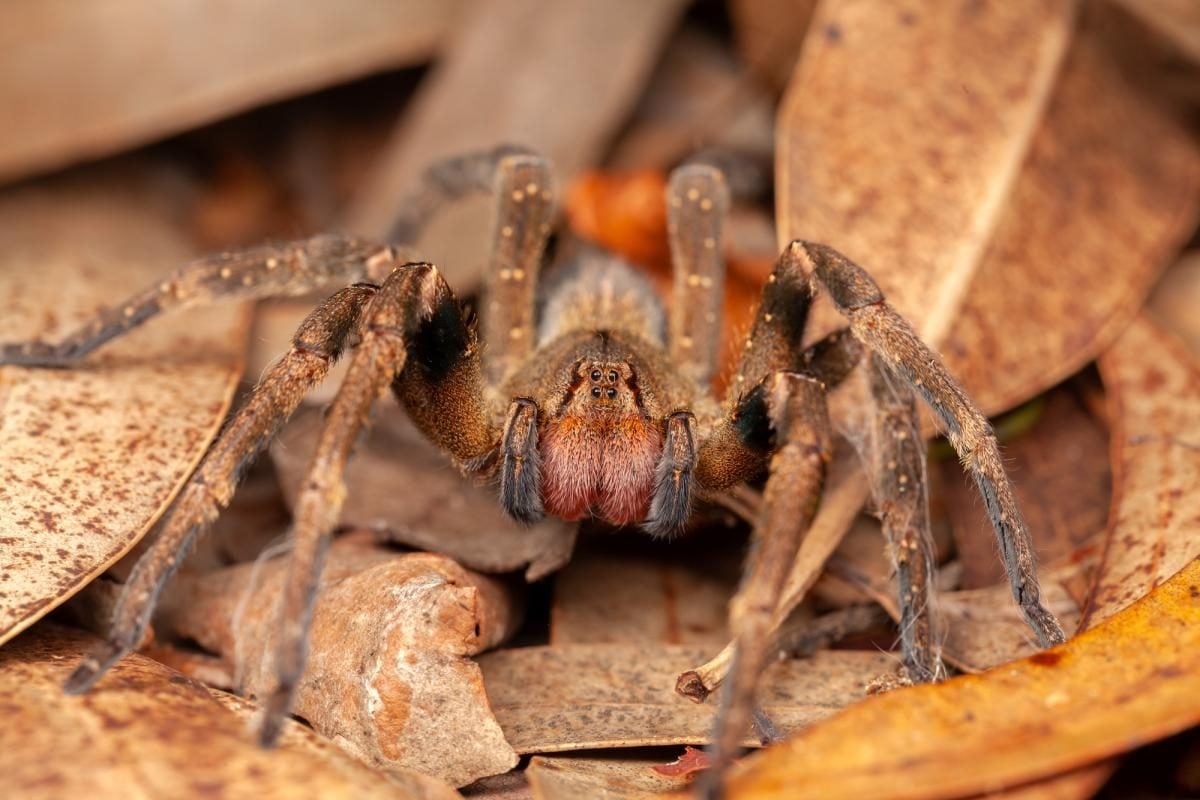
{"x": 588, "y": 401}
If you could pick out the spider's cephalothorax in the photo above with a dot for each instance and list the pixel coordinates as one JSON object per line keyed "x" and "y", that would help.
{"x": 584, "y": 400}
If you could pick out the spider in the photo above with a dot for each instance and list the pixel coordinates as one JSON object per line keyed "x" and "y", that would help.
{"x": 588, "y": 400}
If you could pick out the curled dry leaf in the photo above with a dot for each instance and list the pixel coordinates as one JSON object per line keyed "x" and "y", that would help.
{"x": 389, "y": 675}
{"x": 579, "y": 697}
{"x": 84, "y": 89}
{"x": 1132, "y": 679}
{"x": 90, "y": 456}
{"x": 1154, "y": 394}
{"x": 405, "y": 489}
{"x": 1091, "y": 192}
{"x": 145, "y": 731}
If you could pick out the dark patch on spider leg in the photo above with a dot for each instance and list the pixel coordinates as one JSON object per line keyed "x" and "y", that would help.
{"x": 441, "y": 385}
{"x": 520, "y": 472}
{"x": 831, "y": 359}
{"x": 847, "y": 283}
{"x": 752, "y": 421}
{"x": 671, "y": 506}
{"x": 776, "y": 338}
{"x": 441, "y": 340}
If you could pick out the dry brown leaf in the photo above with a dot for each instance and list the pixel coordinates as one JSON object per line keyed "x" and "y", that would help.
{"x": 401, "y": 486}
{"x": 1176, "y": 20}
{"x": 558, "y": 77}
{"x": 579, "y": 697}
{"x": 1080, "y": 784}
{"x": 599, "y": 776}
{"x": 659, "y": 593}
{"x": 1153, "y": 388}
{"x": 1132, "y": 679}
{"x": 76, "y": 85}
{"x": 389, "y": 675}
{"x": 1091, "y": 193}
{"x": 90, "y": 456}
{"x": 903, "y": 131}
{"x": 699, "y": 97}
{"x": 1174, "y": 301}
{"x": 146, "y": 732}
{"x": 1060, "y": 472}
{"x": 769, "y": 34}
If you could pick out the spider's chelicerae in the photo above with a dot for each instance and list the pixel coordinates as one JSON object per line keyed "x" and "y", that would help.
{"x": 583, "y": 399}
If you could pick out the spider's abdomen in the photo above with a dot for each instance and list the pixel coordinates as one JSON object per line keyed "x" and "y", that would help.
{"x": 604, "y": 467}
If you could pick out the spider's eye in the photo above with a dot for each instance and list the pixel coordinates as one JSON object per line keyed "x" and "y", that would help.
{"x": 595, "y": 374}
{"x": 612, "y": 393}
{"x": 595, "y": 391}
{"x": 612, "y": 375}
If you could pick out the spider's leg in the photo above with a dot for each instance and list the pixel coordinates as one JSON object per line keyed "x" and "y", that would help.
{"x": 797, "y": 409}
{"x": 403, "y": 331}
{"x": 525, "y": 198}
{"x": 287, "y": 269}
{"x": 316, "y": 345}
{"x": 697, "y": 203}
{"x": 444, "y": 182}
{"x": 901, "y": 491}
{"x": 887, "y": 333}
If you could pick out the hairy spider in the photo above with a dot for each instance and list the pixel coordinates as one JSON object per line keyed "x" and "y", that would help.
{"x": 587, "y": 401}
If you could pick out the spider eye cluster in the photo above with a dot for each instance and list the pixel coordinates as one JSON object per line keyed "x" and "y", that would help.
{"x": 605, "y": 381}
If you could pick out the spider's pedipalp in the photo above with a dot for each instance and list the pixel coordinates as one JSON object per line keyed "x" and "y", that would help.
{"x": 671, "y": 506}
{"x": 697, "y": 203}
{"x": 890, "y": 336}
{"x": 520, "y": 463}
{"x": 315, "y": 346}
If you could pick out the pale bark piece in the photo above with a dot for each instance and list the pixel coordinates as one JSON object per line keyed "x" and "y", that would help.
{"x": 403, "y": 488}
{"x": 579, "y": 697}
{"x": 600, "y": 776}
{"x": 90, "y": 456}
{"x": 389, "y": 675}
{"x": 1132, "y": 679}
{"x": 147, "y": 732}
{"x": 557, "y": 77}
{"x": 902, "y": 133}
{"x": 1095, "y": 216}
{"x": 1153, "y": 385}
{"x": 1079, "y": 784}
{"x": 300, "y": 738}
{"x": 673, "y": 594}
{"x": 1174, "y": 301}
{"x": 82, "y": 80}
{"x": 1063, "y": 482}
